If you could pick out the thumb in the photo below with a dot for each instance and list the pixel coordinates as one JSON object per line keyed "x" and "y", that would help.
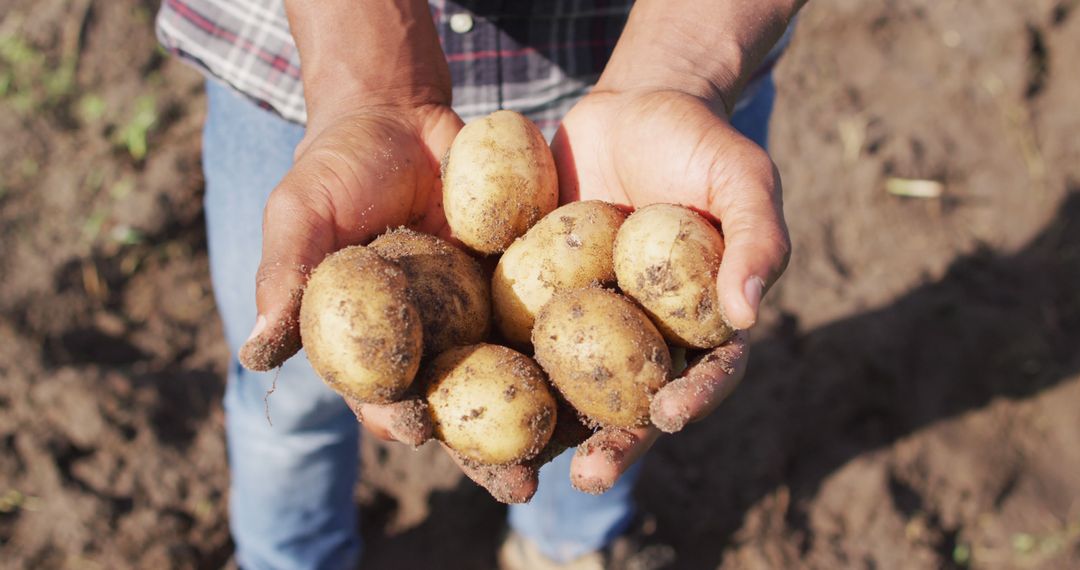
{"x": 745, "y": 195}
{"x": 298, "y": 232}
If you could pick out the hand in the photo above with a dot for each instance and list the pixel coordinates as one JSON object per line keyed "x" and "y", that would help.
{"x": 357, "y": 173}
{"x": 640, "y": 147}
{"x": 377, "y": 87}
{"x": 605, "y": 455}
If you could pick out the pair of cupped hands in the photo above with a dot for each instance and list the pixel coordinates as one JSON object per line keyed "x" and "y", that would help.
{"x": 364, "y": 168}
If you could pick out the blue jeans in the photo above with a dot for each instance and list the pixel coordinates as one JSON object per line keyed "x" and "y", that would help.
{"x": 291, "y": 492}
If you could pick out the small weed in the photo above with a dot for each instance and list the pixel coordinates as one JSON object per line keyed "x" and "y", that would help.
{"x": 13, "y": 500}
{"x": 91, "y": 108}
{"x": 1023, "y": 543}
{"x": 1038, "y": 547}
{"x": 133, "y": 135}
{"x": 123, "y": 188}
{"x": 23, "y": 67}
{"x": 60, "y": 83}
{"x": 29, "y": 80}
{"x": 204, "y": 508}
{"x": 19, "y": 54}
{"x": 24, "y": 103}
{"x": 126, "y": 235}
{"x": 92, "y": 226}
{"x": 961, "y": 555}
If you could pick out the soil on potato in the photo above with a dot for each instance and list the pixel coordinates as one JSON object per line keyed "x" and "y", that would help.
{"x": 913, "y": 385}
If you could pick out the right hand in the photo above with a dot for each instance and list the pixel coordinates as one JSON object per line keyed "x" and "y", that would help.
{"x": 356, "y": 173}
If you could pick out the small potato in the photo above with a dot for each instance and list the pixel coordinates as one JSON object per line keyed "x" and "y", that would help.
{"x": 666, "y": 259}
{"x": 361, "y": 332}
{"x": 603, "y": 354}
{"x": 490, "y": 403}
{"x": 567, "y": 249}
{"x": 498, "y": 180}
{"x": 446, "y": 284}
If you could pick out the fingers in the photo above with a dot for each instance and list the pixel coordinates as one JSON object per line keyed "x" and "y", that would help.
{"x": 406, "y": 421}
{"x": 705, "y": 383}
{"x": 510, "y": 484}
{"x": 517, "y": 483}
{"x": 745, "y": 195}
{"x": 297, "y": 234}
{"x": 604, "y": 457}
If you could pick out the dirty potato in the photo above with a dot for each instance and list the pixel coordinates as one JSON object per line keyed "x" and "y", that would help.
{"x": 666, "y": 259}
{"x": 489, "y": 403}
{"x": 603, "y": 354}
{"x": 567, "y": 249}
{"x": 498, "y": 180}
{"x": 446, "y": 285}
{"x": 361, "y": 331}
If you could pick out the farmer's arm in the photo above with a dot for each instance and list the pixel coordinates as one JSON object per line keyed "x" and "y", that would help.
{"x": 377, "y": 88}
{"x": 367, "y": 52}
{"x": 708, "y": 49}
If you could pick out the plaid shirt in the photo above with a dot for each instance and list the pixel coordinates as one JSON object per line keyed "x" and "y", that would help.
{"x": 535, "y": 57}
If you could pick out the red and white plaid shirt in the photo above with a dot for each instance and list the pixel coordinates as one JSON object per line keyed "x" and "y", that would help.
{"x": 536, "y": 57}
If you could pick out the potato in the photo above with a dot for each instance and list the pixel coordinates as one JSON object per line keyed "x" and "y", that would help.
{"x": 498, "y": 180}
{"x": 603, "y": 354}
{"x": 361, "y": 332}
{"x": 490, "y": 403}
{"x": 666, "y": 259}
{"x": 446, "y": 285}
{"x": 567, "y": 249}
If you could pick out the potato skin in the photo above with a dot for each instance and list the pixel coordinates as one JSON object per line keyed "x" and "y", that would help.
{"x": 603, "y": 354}
{"x": 569, "y": 248}
{"x": 498, "y": 180}
{"x": 666, "y": 259}
{"x": 446, "y": 285}
{"x": 361, "y": 332}
{"x": 490, "y": 403}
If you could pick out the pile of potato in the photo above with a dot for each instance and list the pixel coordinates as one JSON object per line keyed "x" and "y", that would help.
{"x": 593, "y": 295}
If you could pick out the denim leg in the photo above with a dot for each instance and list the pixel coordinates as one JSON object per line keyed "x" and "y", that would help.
{"x": 565, "y": 523}
{"x": 752, "y": 120}
{"x": 291, "y": 490}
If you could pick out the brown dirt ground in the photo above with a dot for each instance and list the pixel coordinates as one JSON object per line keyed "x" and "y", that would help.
{"x": 913, "y": 387}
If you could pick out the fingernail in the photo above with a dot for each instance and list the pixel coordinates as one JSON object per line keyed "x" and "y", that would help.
{"x": 591, "y": 485}
{"x": 260, "y": 326}
{"x": 752, "y": 290}
{"x": 669, "y": 418}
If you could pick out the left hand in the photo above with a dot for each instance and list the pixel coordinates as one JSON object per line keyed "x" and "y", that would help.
{"x": 636, "y": 148}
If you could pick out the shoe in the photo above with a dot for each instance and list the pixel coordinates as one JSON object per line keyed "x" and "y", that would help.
{"x": 627, "y": 552}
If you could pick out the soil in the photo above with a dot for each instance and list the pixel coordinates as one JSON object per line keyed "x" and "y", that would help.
{"x": 912, "y": 389}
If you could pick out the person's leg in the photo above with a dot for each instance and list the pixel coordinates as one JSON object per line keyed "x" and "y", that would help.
{"x": 752, "y": 119}
{"x": 564, "y": 523}
{"x": 291, "y": 491}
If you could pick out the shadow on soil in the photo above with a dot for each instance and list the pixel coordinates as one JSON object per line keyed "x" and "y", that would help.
{"x": 995, "y": 326}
